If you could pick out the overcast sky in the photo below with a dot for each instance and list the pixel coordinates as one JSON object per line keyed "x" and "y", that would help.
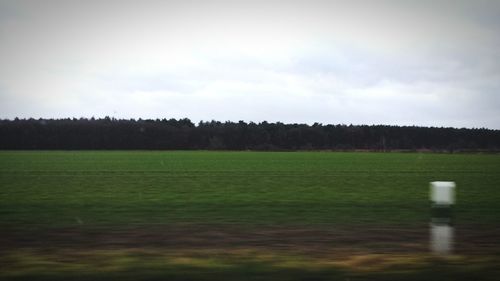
{"x": 429, "y": 63}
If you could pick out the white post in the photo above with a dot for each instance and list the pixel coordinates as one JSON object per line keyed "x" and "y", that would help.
{"x": 442, "y": 195}
{"x": 443, "y": 192}
{"x": 442, "y": 239}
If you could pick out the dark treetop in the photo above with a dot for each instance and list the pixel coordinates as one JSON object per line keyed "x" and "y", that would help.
{"x": 110, "y": 133}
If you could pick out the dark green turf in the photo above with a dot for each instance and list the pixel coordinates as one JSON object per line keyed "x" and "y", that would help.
{"x": 100, "y": 192}
{"x": 93, "y": 188}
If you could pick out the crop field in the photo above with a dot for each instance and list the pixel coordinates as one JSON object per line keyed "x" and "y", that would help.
{"x": 198, "y": 215}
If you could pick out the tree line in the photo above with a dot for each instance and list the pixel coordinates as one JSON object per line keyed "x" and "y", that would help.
{"x": 176, "y": 134}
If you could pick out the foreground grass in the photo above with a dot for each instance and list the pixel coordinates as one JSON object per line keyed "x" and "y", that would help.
{"x": 241, "y": 264}
{"x": 71, "y": 188}
{"x": 242, "y": 216}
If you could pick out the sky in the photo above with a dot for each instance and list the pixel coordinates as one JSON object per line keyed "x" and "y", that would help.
{"x": 424, "y": 63}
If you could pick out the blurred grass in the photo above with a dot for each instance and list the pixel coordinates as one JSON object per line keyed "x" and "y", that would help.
{"x": 50, "y": 188}
{"x": 77, "y": 196}
{"x": 239, "y": 265}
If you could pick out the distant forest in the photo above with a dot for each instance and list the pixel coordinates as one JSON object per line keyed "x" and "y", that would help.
{"x": 170, "y": 134}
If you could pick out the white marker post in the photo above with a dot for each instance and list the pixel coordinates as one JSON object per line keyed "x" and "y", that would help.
{"x": 443, "y": 192}
{"x": 442, "y": 195}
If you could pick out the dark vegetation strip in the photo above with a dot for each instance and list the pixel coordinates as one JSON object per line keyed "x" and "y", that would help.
{"x": 182, "y": 134}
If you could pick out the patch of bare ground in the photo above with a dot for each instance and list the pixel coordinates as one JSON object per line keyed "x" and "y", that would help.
{"x": 312, "y": 241}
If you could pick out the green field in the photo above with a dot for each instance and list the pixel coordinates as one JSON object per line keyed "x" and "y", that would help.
{"x": 106, "y": 194}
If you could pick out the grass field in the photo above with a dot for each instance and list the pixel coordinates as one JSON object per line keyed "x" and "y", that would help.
{"x": 242, "y": 215}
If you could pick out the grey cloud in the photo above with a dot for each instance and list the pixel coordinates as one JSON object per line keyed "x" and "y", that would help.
{"x": 394, "y": 62}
